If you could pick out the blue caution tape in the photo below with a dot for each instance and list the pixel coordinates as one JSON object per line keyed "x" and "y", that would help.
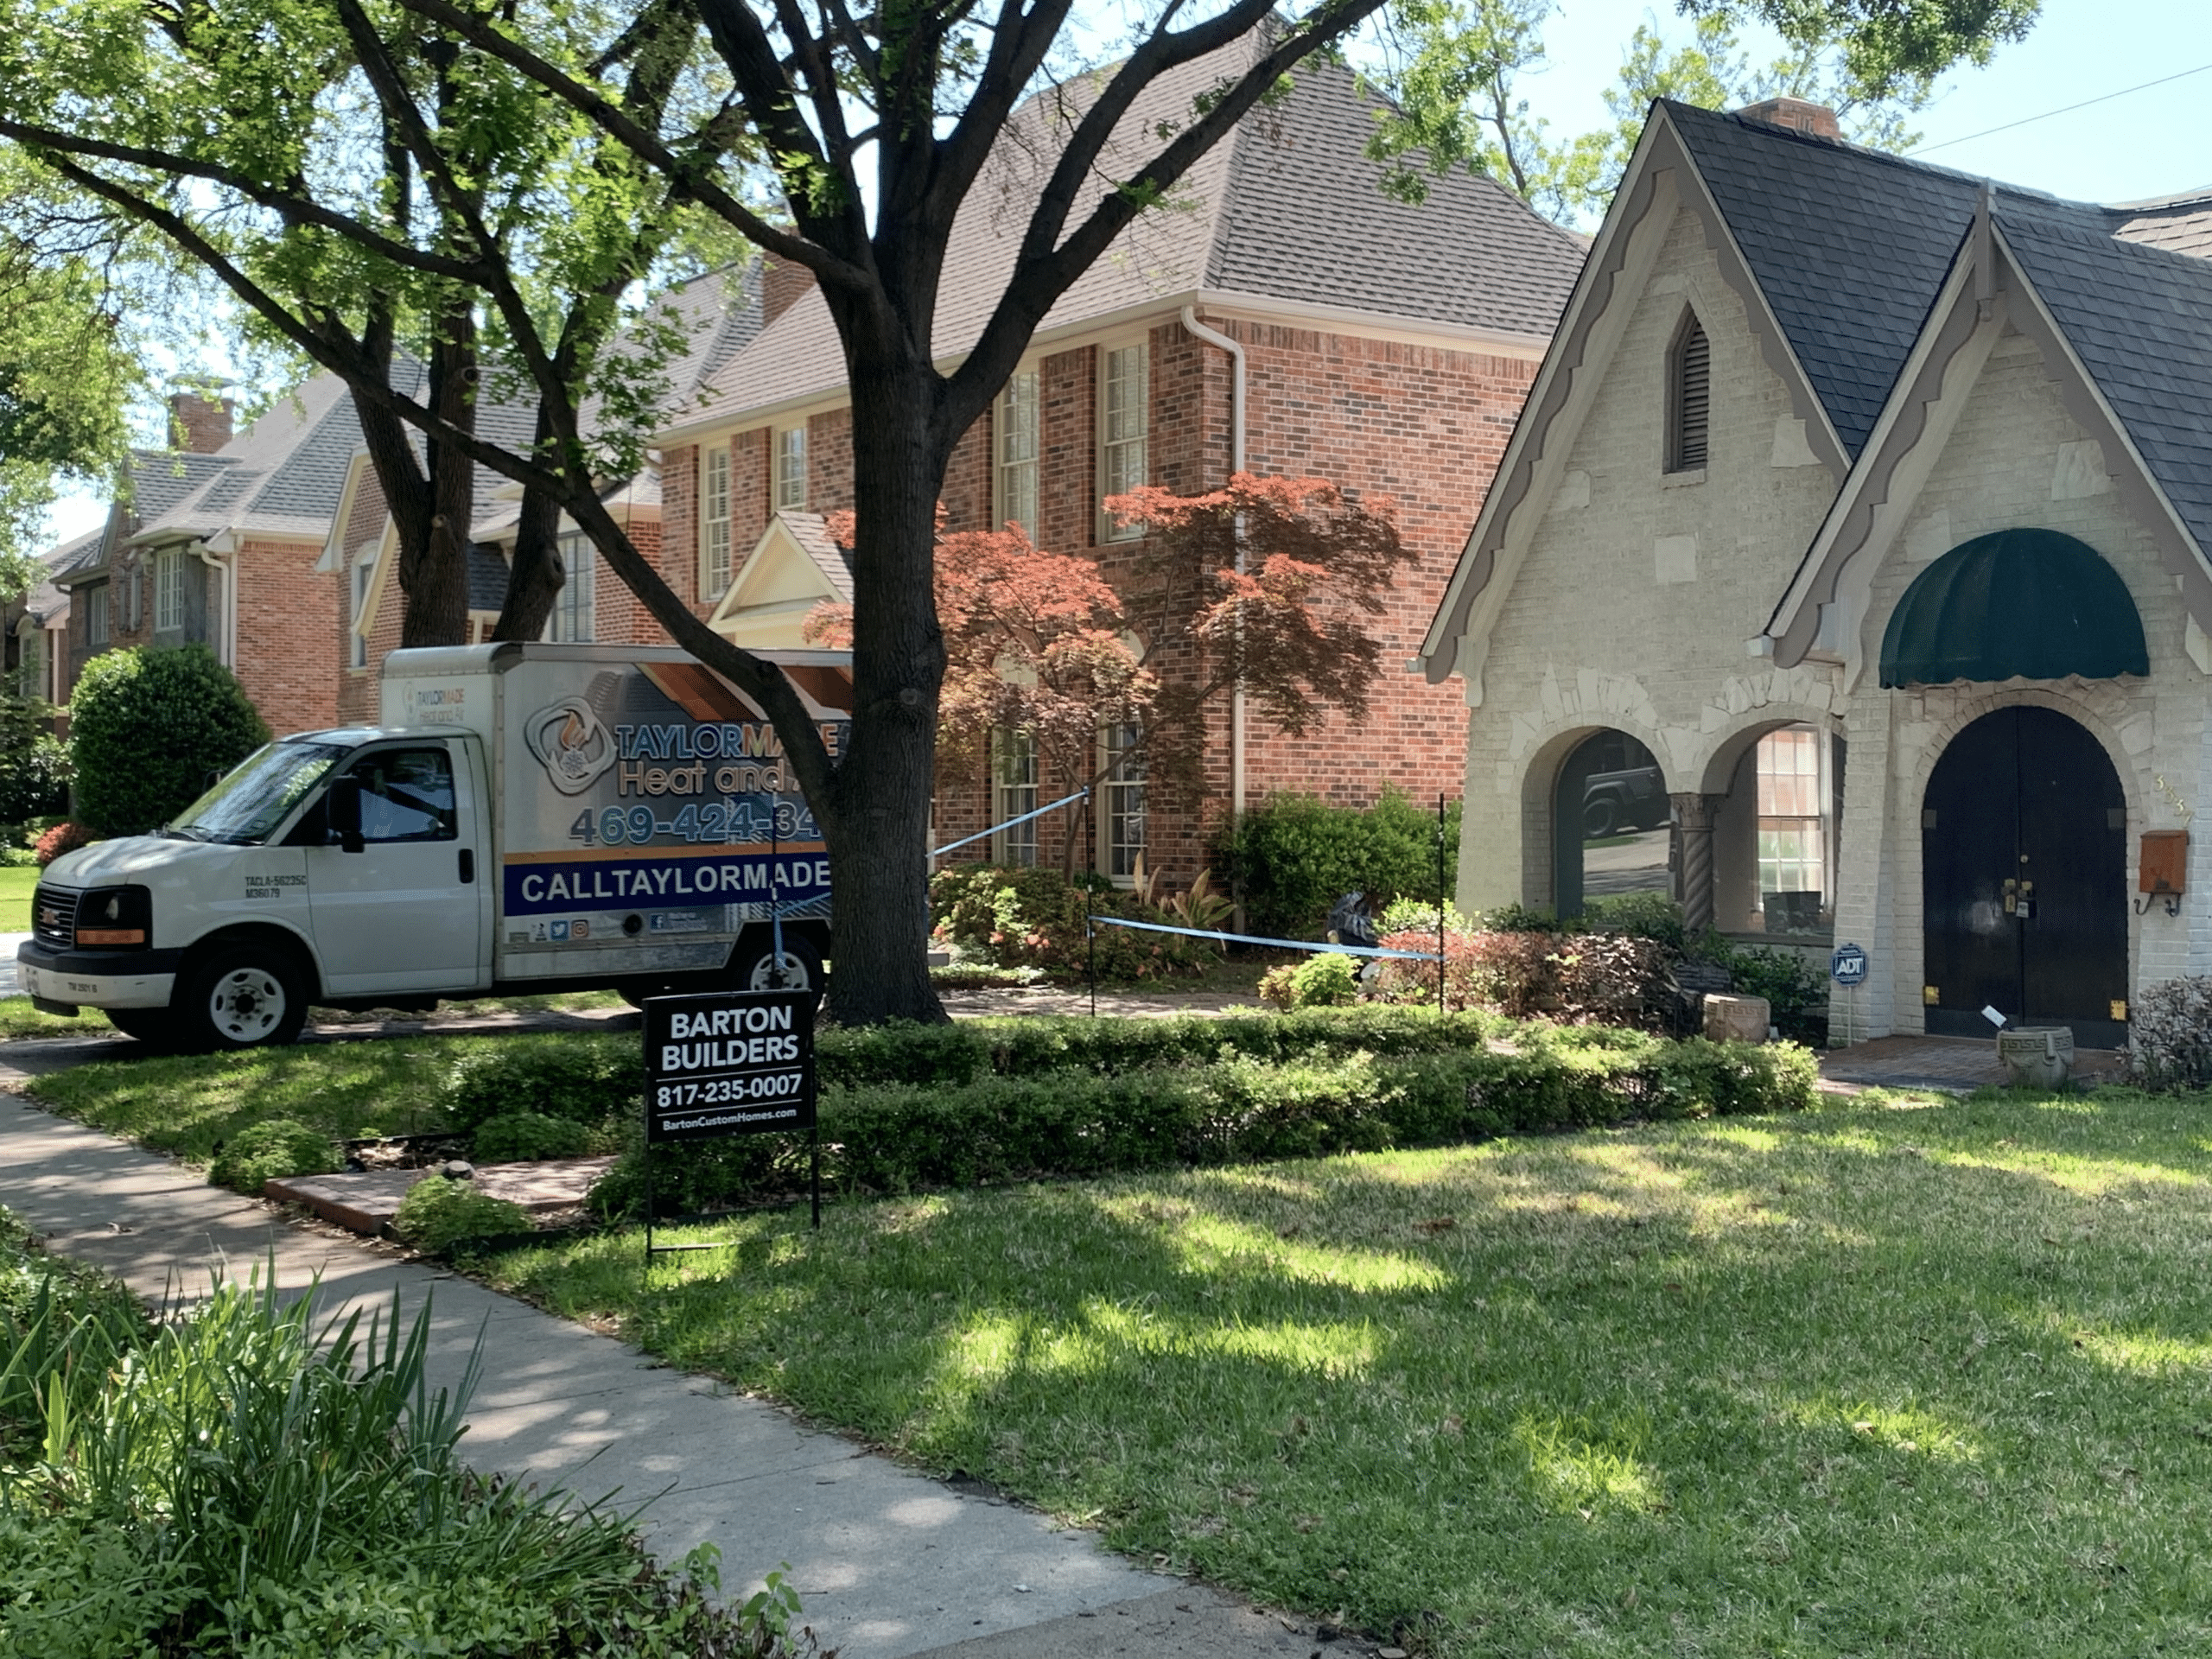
{"x": 952, "y": 847}
{"x": 1253, "y": 938}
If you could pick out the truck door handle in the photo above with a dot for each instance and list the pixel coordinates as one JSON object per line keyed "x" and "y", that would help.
{"x": 467, "y": 865}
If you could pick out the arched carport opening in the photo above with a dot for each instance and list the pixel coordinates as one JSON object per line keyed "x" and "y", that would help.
{"x": 1611, "y": 824}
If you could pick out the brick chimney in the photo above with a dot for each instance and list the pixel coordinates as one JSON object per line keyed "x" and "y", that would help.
{"x": 1798, "y": 114}
{"x": 200, "y": 425}
{"x": 781, "y": 284}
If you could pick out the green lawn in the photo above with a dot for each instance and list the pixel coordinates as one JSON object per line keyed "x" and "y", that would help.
{"x": 1869, "y": 1380}
{"x": 186, "y": 1104}
{"x": 16, "y": 887}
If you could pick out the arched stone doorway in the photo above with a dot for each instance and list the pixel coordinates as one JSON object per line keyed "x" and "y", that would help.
{"x": 2024, "y": 887}
{"x": 1611, "y": 824}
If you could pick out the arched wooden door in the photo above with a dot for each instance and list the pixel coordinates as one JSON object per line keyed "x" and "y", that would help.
{"x": 2024, "y": 887}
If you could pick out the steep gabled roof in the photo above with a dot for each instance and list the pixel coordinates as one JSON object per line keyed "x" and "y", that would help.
{"x": 1289, "y": 208}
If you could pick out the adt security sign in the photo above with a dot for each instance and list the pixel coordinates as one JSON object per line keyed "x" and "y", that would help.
{"x": 1849, "y": 965}
{"x": 728, "y": 1063}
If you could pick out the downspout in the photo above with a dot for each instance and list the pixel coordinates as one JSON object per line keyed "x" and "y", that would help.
{"x": 227, "y": 634}
{"x": 1198, "y": 330}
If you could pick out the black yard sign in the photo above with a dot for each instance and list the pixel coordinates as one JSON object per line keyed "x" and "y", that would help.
{"x": 728, "y": 1063}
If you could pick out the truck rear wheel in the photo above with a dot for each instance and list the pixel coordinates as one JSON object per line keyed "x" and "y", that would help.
{"x": 755, "y": 965}
{"x": 246, "y": 996}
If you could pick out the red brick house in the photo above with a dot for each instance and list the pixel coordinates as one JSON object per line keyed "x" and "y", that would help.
{"x": 218, "y": 546}
{"x": 1283, "y": 314}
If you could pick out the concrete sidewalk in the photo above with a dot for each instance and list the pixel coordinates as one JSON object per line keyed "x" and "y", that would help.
{"x": 887, "y": 1562}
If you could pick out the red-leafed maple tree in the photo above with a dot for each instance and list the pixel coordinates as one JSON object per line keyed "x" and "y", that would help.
{"x": 1269, "y": 583}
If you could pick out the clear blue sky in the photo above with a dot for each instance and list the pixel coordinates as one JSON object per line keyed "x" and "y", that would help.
{"x": 2147, "y": 143}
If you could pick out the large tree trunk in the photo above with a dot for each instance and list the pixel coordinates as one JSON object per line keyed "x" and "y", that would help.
{"x": 434, "y": 578}
{"x": 878, "y": 826}
{"x": 535, "y": 579}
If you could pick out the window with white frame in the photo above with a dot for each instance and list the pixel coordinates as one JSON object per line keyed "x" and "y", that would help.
{"x": 1792, "y": 822}
{"x": 573, "y": 614}
{"x": 713, "y": 521}
{"x": 364, "y": 577}
{"x": 791, "y": 468}
{"x": 1014, "y": 431}
{"x": 1122, "y": 803}
{"x": 1013, "y": 791}
{"x": 168, "y": 589}
{"x": 95, "y": 614}
{"x": 1124, "y": 399}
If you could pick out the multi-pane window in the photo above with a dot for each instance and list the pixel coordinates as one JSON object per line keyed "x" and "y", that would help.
{"x": 95, "y": 598}
{"x": 790, "y": 469}
{"x": 1690, "y": 397}
{"x": 31, "y": 676}
{"x": 573, "y": 612}
{"x": 1122, "y": 413}
{"x": 1120, "y": 802}
{"x": 1013, "y": 792}
{"x": 1792, "y": 850}
{"x": 364, "y": 576}
{"x": 169, "y": 590}
{"x": 1014, "y": 430}
{"x": 713, "y": 521}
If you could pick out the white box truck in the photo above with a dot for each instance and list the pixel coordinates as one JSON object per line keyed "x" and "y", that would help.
{"x": 527, "y": 818}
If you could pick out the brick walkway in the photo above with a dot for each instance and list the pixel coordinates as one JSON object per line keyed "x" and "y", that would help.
{"x": 1959, "y": 1065}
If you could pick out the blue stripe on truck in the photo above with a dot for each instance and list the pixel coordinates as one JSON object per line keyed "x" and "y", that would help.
{"x": 619, "y": 882}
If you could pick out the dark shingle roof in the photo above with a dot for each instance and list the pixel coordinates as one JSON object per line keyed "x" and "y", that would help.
{"x": 2140, "y": 320}
{"x": 1849, "y": 246}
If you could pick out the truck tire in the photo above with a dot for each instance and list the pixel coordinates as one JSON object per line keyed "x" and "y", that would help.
{"x": 242, "y": 996}
{"x": 155, "y": 1027}
{"x": 753, "y": 965}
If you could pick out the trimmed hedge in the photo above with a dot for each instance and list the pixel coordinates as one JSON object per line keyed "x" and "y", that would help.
{"x": 895, "y": 1136}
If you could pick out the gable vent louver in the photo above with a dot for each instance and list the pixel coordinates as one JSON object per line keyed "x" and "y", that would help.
{"x": 1693, "y": 398}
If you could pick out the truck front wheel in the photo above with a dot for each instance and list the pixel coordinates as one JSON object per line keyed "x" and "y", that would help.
{"x": 246, "y": 996}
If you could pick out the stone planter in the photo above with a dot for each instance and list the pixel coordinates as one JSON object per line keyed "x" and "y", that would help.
{"x": 2040, "y": 1057}
{"x": 1736, "y": 1019}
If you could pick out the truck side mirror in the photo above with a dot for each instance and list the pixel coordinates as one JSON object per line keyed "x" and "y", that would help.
{"x": 215, "y": 775}
{"x": 343, "y": 807}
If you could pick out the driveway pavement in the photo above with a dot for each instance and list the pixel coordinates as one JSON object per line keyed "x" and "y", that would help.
{"x": 887, "y": 1562}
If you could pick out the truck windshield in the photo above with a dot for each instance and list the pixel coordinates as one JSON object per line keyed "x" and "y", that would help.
{"x": 252, "y": 800}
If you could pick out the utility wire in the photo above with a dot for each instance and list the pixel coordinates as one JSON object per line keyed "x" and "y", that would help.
{"x": 1922, "y": 150}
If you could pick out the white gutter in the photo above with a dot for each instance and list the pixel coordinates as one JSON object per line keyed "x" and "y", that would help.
{"x": 1214, "y": 338}
{"x": 226, "y": 631}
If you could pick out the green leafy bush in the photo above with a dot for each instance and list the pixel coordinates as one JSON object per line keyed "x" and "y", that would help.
{"x": 146, "y": 727}
{"x": 438, "y": 1213}
{"x": 252, "y": 1486}
{"x": 1647, "y": 915}
{"x": 1795, "y": 989}
{"x": 270, "y": 1150}
{"x": 2170, "y": 1037}
{"x": 582, "y": 1080}
{"x": 1326, "y": 981}
{"x": 1233, "y": 1107}
{"x": 522, "y": 1137}
{"x": 1294, "y": 855}
{"x": 34, "y": 763}
{"x": 1033, "y": 918}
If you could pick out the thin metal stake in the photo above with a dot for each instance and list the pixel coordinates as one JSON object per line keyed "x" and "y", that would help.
{"x": 814, "y": 1140}
{"x": 1440, "y": 1009}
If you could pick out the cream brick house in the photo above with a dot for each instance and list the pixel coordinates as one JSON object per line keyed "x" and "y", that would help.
{"x": 1862, "y": 511}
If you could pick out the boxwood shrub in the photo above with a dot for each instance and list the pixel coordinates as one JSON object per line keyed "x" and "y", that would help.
{"x": 882, "y": 1135}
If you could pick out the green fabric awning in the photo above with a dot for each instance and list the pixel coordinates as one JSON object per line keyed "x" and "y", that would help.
{"x": 2034, "y": 604}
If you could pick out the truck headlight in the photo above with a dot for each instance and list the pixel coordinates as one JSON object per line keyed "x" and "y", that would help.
{"x": 109, "y": 918}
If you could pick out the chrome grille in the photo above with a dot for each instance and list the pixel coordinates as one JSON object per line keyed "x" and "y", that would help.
{"x": 54, "y": 917}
